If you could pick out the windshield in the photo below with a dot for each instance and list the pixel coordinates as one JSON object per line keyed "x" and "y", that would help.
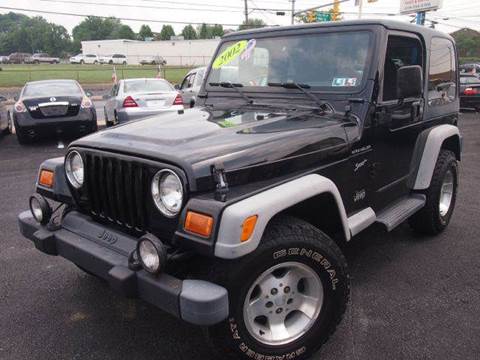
{"x": 330, "y": 61}
{"x": 57, "y": 88}
{"x": 133, "y": 86}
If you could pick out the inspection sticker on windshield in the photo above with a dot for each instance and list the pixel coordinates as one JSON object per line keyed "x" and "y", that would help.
{"x": 230, "y": 54}
{"x": 344, "y": 82}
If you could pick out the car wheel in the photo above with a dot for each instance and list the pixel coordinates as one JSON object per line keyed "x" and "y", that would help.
{"x": 290, "y": 301}
{"x": 10, "y": 127}
{"x": 116, "y": 120}
{"x": 108, "y": 123}
{"x": 36, "y": 62}
{"x": 22, "y": 137}
{"x": 435, "y": 216}
{"x": 95, "y": 62}
{"x": 124, "y": 63}
{"x": 110, "y": 62}
{"x": 82, "y": 62}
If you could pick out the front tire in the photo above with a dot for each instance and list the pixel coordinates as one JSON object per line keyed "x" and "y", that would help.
{"x": 289, "y": 301}
{"x": 22, "y": 137}
{"x": 435, "y": 216}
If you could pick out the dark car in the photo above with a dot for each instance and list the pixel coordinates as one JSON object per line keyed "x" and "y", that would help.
{"x": 18, "y": 58}
{"x": 5, "y": 123}
{"x": 470, "y": 92}
{"x": 233, "y": 214}
{"x": 53, "y": 107}
{"x": 473, "y": 69}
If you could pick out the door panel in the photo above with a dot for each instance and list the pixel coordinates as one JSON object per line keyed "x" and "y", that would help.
{"x": 397, "y": 122}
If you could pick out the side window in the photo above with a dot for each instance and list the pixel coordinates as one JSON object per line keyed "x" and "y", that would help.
{"x": 191, "y": 80}
{"x": 185, "y": 82}
{"x": 442, "y": 88}
{"x": 199, "y": 78}
{"x": 401, "y": 51}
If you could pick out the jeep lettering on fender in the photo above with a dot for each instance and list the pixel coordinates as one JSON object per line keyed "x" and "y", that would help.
{"x": 289, "y": 153}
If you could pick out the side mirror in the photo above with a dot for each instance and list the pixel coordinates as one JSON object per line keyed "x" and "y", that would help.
{"x": 177, "y": 87}
{"x": 409, "y": 82}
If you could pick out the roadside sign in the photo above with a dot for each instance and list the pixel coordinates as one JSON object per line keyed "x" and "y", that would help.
{"x": 413, "y": 6}
{"x": 323, "y": 16}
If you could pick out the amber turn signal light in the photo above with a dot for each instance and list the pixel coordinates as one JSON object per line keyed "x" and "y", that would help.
{"x": 199, "y": 224}
{"x": 46, "y": 178}
{"x": 248, "y": 227}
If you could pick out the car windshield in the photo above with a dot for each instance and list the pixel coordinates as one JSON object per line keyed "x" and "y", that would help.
{"x": 147, "y": 85}
{"x": 330, "y": 61}
{"x": 54, "y": 88}
{"x": 469, "y": 80}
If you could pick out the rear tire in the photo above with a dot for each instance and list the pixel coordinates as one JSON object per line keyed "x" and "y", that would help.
{"x": 9, "y": 129}
{"x": 306, "y": 274}
{"x": 22, "y": 137}
{"x": 435, "y": 216}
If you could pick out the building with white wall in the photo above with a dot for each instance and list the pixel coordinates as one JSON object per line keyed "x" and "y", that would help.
{"x": 175, "y": 52}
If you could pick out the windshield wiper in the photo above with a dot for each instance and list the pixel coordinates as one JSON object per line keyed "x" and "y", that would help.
{"x": 234, "y": 86}
{"x": 302, "y": 88}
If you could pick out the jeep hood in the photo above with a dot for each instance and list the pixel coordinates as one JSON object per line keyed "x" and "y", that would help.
{"x": 259, "y": 141}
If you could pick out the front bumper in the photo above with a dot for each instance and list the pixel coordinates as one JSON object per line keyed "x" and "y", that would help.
{"x": 128, "y": 114}
{"x": 104, "y": 252}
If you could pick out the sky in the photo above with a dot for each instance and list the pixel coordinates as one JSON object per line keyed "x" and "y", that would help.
{"x": 453, "y": 15}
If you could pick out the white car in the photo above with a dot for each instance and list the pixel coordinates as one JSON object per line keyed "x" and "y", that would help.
{"x": 133, "y": 99}
{"x": 115, "y": 59}
{"x": 84, "y": 59}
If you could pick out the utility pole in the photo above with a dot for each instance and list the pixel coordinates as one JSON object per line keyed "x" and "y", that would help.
{"x": 246, "y": 12}
{"x": 293, "y": 12}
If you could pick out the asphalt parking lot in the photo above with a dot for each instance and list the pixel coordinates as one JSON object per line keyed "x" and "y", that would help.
{"x": 412, "y": 297}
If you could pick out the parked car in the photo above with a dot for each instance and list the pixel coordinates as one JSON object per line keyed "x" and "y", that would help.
{"x": 42, "y": 58}
{"x": 137, "y": 98}
{"x": 233, "y": 215}
{"x": 470, "y": 91}
{"x": 191, "y": 84}
{"x": 115, "y": 59}
{"x": 4, "y": 59}
{"x": 5, "y": 124}
{"x": 153, "y": 60}
{"x": 85, "y": 59}
{"x": 18, "y": 57}
{"x": 473, "y": 69}
{"x": 53, "y": 107}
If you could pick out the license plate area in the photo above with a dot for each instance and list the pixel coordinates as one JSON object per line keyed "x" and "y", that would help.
{"x": 54, "y": 110}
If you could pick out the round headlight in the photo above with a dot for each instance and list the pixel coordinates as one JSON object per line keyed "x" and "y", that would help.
{"x": 151, "y": 253}
{"x": 40, "y": 209}
{"x": 167, "y": 192}
{"x": 74, "y": 169}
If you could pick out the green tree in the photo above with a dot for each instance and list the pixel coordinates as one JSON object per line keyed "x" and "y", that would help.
{"x": 204, "y": 32}
{"x": 123, "y": 32}
{"x": 252, "y": 24}
{"x": 189, "y": 33}
{"x": 22, "y": 33}
{"x": 217, "y": 30}
{"x": 167, "y": 32}
{"x": 145, "y": 32}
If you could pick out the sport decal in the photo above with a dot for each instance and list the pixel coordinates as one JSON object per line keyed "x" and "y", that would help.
{"x": 230, "y": 54}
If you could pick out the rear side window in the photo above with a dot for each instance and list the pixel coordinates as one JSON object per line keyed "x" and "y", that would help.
{"x": 442, "y": 88}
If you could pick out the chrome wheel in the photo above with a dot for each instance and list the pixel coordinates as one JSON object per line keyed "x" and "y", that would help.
{"x": 446, "y": 194}
{"x": 283, "y": 303}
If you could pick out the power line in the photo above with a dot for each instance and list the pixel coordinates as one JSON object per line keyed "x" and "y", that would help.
{"x": 107, "y": 17}
{"x": 138, "y": 6}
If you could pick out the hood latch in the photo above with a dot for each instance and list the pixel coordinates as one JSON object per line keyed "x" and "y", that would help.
{"x": 221, "y": 191}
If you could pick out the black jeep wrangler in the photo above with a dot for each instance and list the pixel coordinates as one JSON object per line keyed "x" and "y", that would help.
{"x": 232, "y": 214}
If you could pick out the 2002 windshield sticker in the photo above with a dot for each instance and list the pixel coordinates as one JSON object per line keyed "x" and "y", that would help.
{"x": 241, "y": 48}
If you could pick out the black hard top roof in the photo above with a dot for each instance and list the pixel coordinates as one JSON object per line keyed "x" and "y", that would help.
{"x": 389, "y": 24}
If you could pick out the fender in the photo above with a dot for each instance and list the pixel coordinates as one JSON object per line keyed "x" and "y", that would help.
{"x": 426, "y": 152}
{"x": 266, "y": 205}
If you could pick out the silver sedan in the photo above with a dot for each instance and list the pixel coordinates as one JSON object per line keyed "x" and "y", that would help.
{"x": 137, "y": 98}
